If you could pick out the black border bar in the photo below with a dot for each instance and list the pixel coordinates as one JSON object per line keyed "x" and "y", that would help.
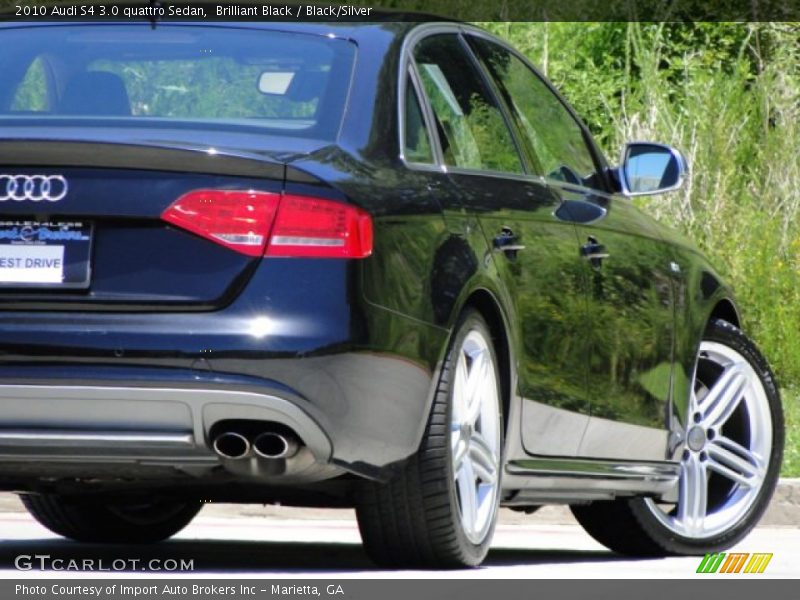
{"x": 398, "y": 10}
{"x": 396, "y": 589}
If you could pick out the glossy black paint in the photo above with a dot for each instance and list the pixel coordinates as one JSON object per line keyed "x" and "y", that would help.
{"x": 596, "y": 353}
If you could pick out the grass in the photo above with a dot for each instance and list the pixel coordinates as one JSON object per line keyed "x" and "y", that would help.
{"x": 791, "y": 457}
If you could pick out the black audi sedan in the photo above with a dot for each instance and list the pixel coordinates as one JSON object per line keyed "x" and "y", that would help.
{"x": 377, "y": 265}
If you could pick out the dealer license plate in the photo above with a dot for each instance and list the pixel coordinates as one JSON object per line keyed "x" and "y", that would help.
{"x": 45, "y": 254}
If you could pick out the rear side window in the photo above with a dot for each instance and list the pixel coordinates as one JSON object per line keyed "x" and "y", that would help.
{"x": 417, "y": 142}
{"x": 471, "y": 128}
{"x": 295, "y": 83}
{"x": 554, "y": 135}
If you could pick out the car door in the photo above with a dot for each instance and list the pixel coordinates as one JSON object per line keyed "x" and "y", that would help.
{"x": 632, "y": 313}
{"x": 532, "y": 242}
{"x": 625, "y": 267}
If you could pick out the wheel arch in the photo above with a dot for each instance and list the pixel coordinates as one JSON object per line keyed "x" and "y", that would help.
{"x": 726, "y": 310}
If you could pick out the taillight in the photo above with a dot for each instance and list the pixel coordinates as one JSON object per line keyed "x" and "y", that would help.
{"x": 257, "y": 223}
{"x": 320, "y": 228}
{"x": 235, "y": 219}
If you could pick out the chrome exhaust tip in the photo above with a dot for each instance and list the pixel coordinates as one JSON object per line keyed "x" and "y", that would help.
{"x": 231, "y": 445}
{"x": 275, "y": 445}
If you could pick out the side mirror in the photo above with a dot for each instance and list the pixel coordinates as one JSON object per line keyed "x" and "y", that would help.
{"x": 649, "y": 168}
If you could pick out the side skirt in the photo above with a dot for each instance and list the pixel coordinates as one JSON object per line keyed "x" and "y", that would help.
{"x": 535, "y": 481}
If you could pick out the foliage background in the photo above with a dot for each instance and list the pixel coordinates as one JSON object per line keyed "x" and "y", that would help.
{"x": 727, "y": 95}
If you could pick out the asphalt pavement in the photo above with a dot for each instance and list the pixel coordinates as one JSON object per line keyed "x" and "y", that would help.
{"x": 229, "y": 542}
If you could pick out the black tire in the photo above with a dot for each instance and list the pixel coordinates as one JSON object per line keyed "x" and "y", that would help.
{"x": 414, "y": 520}
{"x": 119, "y": 521}
{"x": 630, "y": 526}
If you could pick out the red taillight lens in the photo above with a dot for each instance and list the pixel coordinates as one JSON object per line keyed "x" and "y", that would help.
{"x": 321, "y": 228}
{"x": 235, "y": 219}
{"x": 300, "y": 226}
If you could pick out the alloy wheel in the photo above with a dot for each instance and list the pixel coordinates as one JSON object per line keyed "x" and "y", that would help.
{"x": 726, "y": 446}
{"x": 475, "y": 436}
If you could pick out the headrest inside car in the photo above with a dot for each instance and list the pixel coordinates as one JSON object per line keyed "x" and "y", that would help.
{"x": 95, "y": 93}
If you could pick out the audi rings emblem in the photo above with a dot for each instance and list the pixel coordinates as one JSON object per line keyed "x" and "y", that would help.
{"x": 35, "y": 188}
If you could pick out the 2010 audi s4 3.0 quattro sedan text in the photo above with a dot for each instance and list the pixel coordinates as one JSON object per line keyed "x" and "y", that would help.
{"x": 378, "y": 265}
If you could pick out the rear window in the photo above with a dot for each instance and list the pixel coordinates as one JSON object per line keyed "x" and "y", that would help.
{"x": 294, "y": 83}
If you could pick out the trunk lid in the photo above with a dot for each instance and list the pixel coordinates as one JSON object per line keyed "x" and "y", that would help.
{"x": 117, "y": 187}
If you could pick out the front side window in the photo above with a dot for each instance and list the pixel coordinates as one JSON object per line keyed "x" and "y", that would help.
{"x": 555, "y": 137}
{"x": 471, "y": 128}
{"x": 294, "y": 83}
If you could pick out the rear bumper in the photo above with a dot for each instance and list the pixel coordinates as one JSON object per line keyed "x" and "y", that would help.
{"x": 354, "y": 411}
{"x": 353, "y": 380}
{"x": 358, "y": 412}
{"x": 156, "y": 426}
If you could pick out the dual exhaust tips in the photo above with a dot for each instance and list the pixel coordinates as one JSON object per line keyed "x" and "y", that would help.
{"x": 269, "y": 445}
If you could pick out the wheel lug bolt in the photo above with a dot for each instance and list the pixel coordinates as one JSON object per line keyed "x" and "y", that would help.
{"x": 703, "y": 456}
{"x": 697, "y": 417}
{"x": 685, "y": 455}
{"x": 710, "y": 434}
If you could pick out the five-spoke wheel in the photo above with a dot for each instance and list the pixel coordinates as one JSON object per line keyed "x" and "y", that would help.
{"x": 726, "y": 445}
{"x": 730, "y": 444}
{"x": 475, "y": 435}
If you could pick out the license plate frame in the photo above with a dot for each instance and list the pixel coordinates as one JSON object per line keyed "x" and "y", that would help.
{"x": 22, "y": 243}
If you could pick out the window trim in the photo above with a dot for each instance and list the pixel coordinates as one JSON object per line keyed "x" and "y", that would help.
{"x": 408, "y": 66}
{"x": 413, "y": 76}
{"x": 407, "y": 61}
{"x": 425, "y": 30}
